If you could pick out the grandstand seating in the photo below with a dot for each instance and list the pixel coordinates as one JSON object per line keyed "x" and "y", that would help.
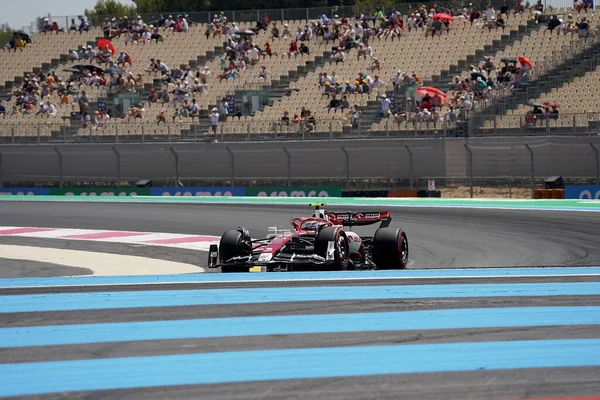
{"x": 413, "y": 51}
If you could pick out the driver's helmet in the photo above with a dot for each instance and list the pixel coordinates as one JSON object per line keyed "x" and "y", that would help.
{"x": 321, "y": 214}
{"x": 312, "y": 225}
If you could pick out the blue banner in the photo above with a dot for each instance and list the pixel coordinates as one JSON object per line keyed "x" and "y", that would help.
{"x": 582, "y": 192}
{"x": 24, "y": 191}
{"x": 198, "y": 191}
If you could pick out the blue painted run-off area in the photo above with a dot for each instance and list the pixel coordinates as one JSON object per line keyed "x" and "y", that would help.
{"x": 133, "y": 372}
{"x": 258, "y": 277}
{"x": 298, "y": 324}
{"x": 170, "y": 298}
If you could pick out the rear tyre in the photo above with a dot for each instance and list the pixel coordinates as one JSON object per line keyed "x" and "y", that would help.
{"x": 337, "y": 236}
{"x": 390, "y": 248}
{"x": 232, "y": 245}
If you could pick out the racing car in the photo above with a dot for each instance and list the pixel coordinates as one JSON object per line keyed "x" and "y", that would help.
{"x": 315, "y": 243}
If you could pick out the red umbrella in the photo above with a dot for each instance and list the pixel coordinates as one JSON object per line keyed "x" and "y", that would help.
{"x": 444, "y": 16}
{"x": 551, "y": 104}
{"x": 525, "y": 61}
{"x": 431, "y": 91}
{"x": 102, "y": 43}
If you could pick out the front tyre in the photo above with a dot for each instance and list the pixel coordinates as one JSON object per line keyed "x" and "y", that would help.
{"x": 336, "y": 237}
{"x": 390, "y": 248}
{"x": 232, "y": 245}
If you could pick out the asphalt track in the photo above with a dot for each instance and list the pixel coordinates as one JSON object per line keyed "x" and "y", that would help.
{"x": 439, "y": 238}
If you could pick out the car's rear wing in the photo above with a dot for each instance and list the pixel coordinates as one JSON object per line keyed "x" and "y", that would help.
{"x": 352, "y": 218}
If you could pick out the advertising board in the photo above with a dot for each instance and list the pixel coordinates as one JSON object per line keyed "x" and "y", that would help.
{"x": 283, "y": 191}
{"x": 582, "y": 192}
{"x": 99, "y": 191}
{"x": 24, "y": 191}
{"x": 198, "y": 191}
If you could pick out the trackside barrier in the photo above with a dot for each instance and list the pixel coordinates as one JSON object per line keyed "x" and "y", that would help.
{"x": 582, "y": 192}
{"x": 265, "y": 191}
{"x": 549, "y": 194}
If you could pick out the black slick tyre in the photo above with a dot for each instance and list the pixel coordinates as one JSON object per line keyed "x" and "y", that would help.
{"x": 338, "y": 237}
{"x": 231, "y": 246}
{"x": 390, "y": 248}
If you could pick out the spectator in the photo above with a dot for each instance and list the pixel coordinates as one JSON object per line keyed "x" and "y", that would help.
{"x": 275, "y": 31}
{"x": 161, "y": 117}
{"x": 84, "y": 25}
{"x": 268, "y": 51}
{"x": 285, "y": 120}
{"x": 47, "y": 27}
{"x": 65, "y": 99}
{"x": 339, "y": 56}
{"x": 86, "y": 120}
{"x": 107, "y": 28}
{"x": 214, "y": 120}
{"x": 102, "y": 120}
{"x": 537, "y": 11}
{"x": 73, "y": 26}
{"x": 293, "y": 48}
{"x": 136, "y": 112}
{"x": 164, "y": 69}
{"x": 264, "y": 73}
{"x": 356, "y": 117}
{"x": 304, "y": 49}
{"x": 2, "y": 110}
{"x": 385, "y": 105}
{"x": 83, "y": 102}
{"x": 124, "y": 59}
{"x": 254, "y": 55}
{"x": 375, "y": 65}
{"x": 376, "y": 83}
{"x": 344, "y": 105}
{"x": 553, "y": 23}
{"x": 194, "y": 110}
{"x": 583, "y": 28}
{"x": 286, "y": 31}
{"x": 334, "y": 104}
{"x": 73, "y": 55}
{"x": 152, "y": 97}
{"x": 223, "y": 110}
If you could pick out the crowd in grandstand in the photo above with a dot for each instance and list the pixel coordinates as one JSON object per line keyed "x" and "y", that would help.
{"x": 105, "y": 66}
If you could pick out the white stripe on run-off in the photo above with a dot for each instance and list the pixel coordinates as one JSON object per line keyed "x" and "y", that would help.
{"x": 139, "y": 238}
{"x": 101, "y": 264}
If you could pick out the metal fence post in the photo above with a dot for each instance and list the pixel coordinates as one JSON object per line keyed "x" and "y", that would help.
{"x": 289, "y": 163}
{"x": 387, "y": 128}
{"x": 248, "y": 136}
{"x": 597, "y": 163}
{"x": 176, "y": 160}
{"x": 60, "y": 166}
{"x": 1, "y": 172}
{"x": 532, "y": 170}
{"x": 114, "y": 149}
{"x": 39, "y": 135}
{"x": 410, "y": 166}
{"x": 470, "y": 155}
{"x": 168, "y": 133}
{"x": 222, "y": 134}
{"x": 12, "y": 134}
{"x": 116, "y": 133}
{"x": 232, "y": 165}
{"x": 347, "y": 166}
{"x": 330, "y": 130}
{"x": 142, "y": 133}
{"x": 91, "y": 133}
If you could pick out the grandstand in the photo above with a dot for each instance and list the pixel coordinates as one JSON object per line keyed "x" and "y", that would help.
{"x": 263, "y": 76}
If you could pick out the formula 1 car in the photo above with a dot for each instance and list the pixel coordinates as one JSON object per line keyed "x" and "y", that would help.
{"x": 315, "y": 243}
